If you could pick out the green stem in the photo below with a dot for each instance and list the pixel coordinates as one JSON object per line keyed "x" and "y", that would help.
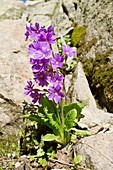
{"x": 62, "y": 117}
{"x": 57, "y": 113}
{"x": 64, "y": 89}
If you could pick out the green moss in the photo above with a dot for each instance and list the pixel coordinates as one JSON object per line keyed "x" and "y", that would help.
{"x": 102, "y": 70}
{"x": 100, "y": 75}
{"x": 78, "y": 34}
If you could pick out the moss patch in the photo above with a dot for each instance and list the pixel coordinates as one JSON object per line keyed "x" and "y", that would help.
{"x": 78, "y": 34}
{"x": 100, "y": 75}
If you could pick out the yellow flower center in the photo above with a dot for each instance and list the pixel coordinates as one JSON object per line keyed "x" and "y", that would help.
{"x": 41, "y": 76}
{"x": 38, "y": 96}
{"x": 56, "y": 93}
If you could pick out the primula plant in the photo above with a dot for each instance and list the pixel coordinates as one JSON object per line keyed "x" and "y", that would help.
{"x": 47, "y": 89}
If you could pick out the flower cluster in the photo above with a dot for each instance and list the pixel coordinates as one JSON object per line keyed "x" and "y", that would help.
{"x": 46, "y": 65}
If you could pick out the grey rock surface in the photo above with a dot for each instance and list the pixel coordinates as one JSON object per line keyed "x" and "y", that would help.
{"x": 60, "y": 20}
{"x": 96, "y": 151}
{"x": 81, "y": 89}
{"x": 39, "y": 9}
{"x": 14, "y": 60}
{"x": 14, "y": 66}
{"x": 11, "y": 9}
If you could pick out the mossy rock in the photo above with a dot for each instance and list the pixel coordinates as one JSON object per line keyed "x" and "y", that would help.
{"x": 100, "y": 75}
{"x": 78, "y": 34}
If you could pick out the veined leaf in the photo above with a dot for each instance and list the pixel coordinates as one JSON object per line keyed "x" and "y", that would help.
{"x": 54, "y": 123}
{"x": 71, "y": 119}
{"x": 46, "y": 103}
{"x": 31, "y": 117}
{"x": 49, "y": 137}
{"x": 50, "y": 118}
{"x": 72, "y": 106}
{"x": 47, "y": 115}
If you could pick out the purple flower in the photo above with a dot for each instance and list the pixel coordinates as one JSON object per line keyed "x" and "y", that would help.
{"x": 50, "y": 29}
{"x": 35, "y": 30}
{"x": 47, "y": 37}
{"x": 40, "y": 65}
{"x": 32, "y": 31}
{"x": 44, "y": 53}
{"x": 40, "y": 50}
{"x": 50, "y": 38}
{"x": 29, "y": 88}
{"x": 57, "y": 61}
{"x": 28, "y": 32}
{"x": 36, "y": 96}
{"x": 43, "y": 30}
{"x": 41, "y": 78}
{"x": 57, "y": 79}
{"x": 35, "y": 47}
{"x": 68, "y": 51}
{"x": 33, "y": 61}
{"x": 55, "y": 94}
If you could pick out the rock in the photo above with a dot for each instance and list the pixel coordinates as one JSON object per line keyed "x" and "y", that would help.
{"x": 4, "y": 119}
{"x": 81, "y": 91}
{"x": 96, "y": 151}
{"x": 60, "y": 20}
{"x": 69, "y": 7}
{"x": 95, "y": 48}
{"x": 96, "y": 117}
{"x": 9, "y": 111}
{"x": 42, "y": 20}
{"x": 15, "y": 69}
{"x": 11, "y": 9}
{"x": 39, "y": 9}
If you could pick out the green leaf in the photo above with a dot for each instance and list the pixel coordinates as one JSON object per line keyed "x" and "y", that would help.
{"x": 31, "y": 117}
{"x": 32, "y": 158}
{"x": 72, "y": 106}
{"x": 51, "y": 120}
{"x": 46, "y": 103}
{"x": 48, "y": 115}
{"x": 51, "y": 153}
{"x": 42, "y": 161}
{"x": 73, "y": 138}
{"x": 77, "y": 159}
{"x": 40, "y": 152}
{"x": 82, "y": 133}
{"x": 21, "y": 133}
{"x": 70, "y": 119}
{"x": 49, "y": 137}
